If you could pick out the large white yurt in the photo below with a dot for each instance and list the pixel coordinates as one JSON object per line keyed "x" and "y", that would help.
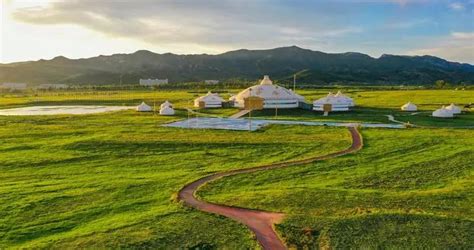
{"x": 166, "y": 110}
{"x": 210, "y": 100}
{"x": 143, "y": 107}
{"x": 454, "y": 109}
{"x": 273, "y": 96}
{"x": 336, "y": 103}
{"x": 409, "y": 107}
{"x": 345, "y": 98}
{"x": 443, "y": 113}
{"x": 166, "y": 104}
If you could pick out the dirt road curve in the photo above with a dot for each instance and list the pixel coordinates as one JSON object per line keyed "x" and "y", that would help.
{"x": 260, "y": 222}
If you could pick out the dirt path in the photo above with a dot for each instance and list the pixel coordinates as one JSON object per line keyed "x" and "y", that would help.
{"x": 260, "y": 222}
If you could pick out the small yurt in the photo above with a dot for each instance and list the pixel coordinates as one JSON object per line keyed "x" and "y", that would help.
{"x": 443, "y": 113}
{"x": 345, "y": 98}
{"x": 166, "y": 104}
{"x": 335, "y": 103}
{"x": 409, "y": 107}
{"x": 454, "y": 109}
{"x": 143, "y": 107}
{"x": 166, "y": 110}
{"x": 209, "y": 101}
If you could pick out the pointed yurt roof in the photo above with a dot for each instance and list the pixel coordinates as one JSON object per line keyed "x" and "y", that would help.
{"x": 143, "y": 107}
{"x": 409, "y": 106}
{"x": 442, "y": 112}
{"x": 454, "y": 109}
{"x": 167, "y": 110}
{"x": 330, "y": 99}
{"x": 210, "y": 97}
{"x": 267, "y": 90}
{"x": 166, "y": 104}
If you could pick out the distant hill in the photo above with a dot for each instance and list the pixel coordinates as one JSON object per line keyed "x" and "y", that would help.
{"x": 314, "y": 67}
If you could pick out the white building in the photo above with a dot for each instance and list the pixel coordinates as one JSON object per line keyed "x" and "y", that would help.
{"x": 211, "y": 81}
{"x": 210, "y": 100}
{"x": 409, "y": 107}
{"x": 143, "y": 107}
{"x": 273, "y": 96}
{"x": 454, "y": 109}
{"x": 52, "y": 86}
{"x": 345, "y": 98}
{"x": 13, "y": 86}
{"x": 166, "y": 110}
{"x": 166, "y": 104}
{"x": 153, "y": 82}
{"x": 443, "y": 113}
{"x": 333, "y": 103}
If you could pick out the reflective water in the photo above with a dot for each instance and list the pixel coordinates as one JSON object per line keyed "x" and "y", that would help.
{"x": 62, "y": 110}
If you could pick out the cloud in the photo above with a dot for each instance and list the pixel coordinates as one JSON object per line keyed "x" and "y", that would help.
{"x": 209, "y": 23}
{"x": 458, "y": 46}
{"x": 456, "y": 6}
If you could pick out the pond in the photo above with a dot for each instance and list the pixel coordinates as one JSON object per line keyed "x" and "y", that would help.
{"x": 62, "y": 110}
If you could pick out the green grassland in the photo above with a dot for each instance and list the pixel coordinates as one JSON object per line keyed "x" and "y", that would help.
{"x": 374, "y": 106}
{"x": 109, "y": 180}
{"x": 406, "y": 189}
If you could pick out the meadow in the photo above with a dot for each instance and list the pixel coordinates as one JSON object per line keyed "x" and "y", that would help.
{"x": 406, "y": 189}
{"x": 110, "y": 180}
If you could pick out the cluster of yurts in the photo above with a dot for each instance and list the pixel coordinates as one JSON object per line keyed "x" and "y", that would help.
{"x": 443, "y": 112}
{"x": 166, "y": 108}
{"x": 274, "y": 96}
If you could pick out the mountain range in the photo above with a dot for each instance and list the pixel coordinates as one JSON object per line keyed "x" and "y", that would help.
{"x": 311, "y": 67}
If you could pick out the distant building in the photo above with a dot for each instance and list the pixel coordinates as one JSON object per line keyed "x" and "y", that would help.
{"x": 211, "y": 81}
{"x": 52, "y": 86}
{"x": 13, "y": 86}
{"x": 153, "y": 82}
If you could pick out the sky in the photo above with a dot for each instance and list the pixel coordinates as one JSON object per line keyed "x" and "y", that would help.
{"x": 42, "y": 29}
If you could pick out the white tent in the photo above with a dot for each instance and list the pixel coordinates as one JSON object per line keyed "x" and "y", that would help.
{"x": 166, "y": 104}
{"x": 409, "y": 107}
{"x": 454, "y": 109}
{"x": 273, "y": 96}
{"x": 338, "y": 103}
{"x": 345, "y": 98}
{"x": 443, "y": 113}
{"x": 143, "y": 107}
{"x": 167, "y": 110}
{"x": 209, "y": 101}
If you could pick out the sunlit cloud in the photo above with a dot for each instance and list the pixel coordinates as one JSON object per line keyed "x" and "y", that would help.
{"x": 208, "y": 26}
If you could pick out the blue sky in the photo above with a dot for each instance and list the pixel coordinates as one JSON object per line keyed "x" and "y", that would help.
{"x": 82, "y": 28}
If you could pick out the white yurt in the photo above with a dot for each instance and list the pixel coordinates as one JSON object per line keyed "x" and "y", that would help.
{"x": 454, "y": 109}
{"x": 210, "y": 100}
{"x": 409, "y": 107}
{"x": 166, "y": 104}
{"x": 337, "y": 103}
{"x": 273, "y": 96}
{"x": 166, "y": 110}
{"x": 345, "y": 98}
{"x": 143, "y": 107}
{"x": 443, "y": 113}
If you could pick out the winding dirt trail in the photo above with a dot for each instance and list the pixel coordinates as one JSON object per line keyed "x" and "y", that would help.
{"x": 260, "y": 222}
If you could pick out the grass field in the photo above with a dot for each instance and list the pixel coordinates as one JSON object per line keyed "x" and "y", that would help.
{"x": 406, "y": 189}
{"x": 110, "y": 180}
